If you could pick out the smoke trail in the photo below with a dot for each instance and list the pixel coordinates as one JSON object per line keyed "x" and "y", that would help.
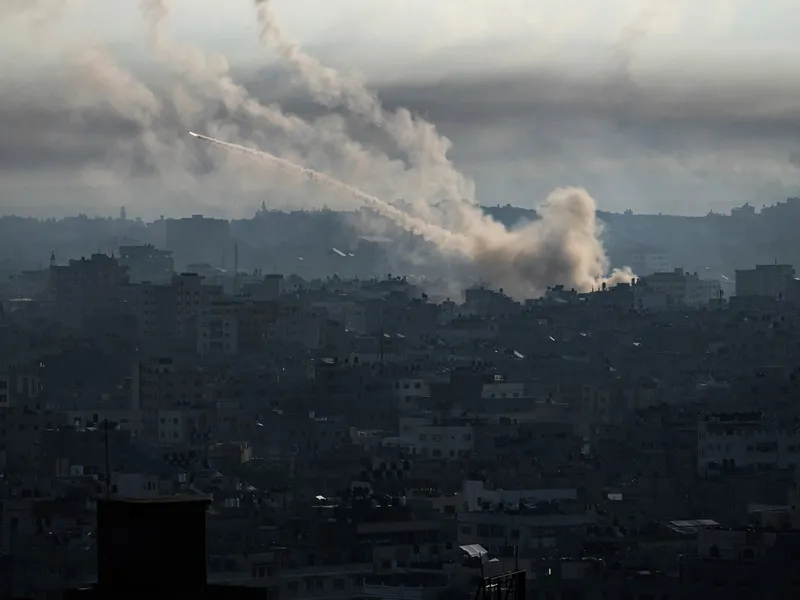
{"x": 425, "y": 148}
{"x": 209, "y": 73}
{"x": 563, "y": 247}
{"x": 210, "y": 77}
{"x": 444, "y": 239}
{"x": 636, "y": 31}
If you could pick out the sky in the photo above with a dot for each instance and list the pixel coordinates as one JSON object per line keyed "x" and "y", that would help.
{"x": 661, "y": 107}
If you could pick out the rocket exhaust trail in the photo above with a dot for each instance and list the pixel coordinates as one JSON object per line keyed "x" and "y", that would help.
{"x": 443, "y": 238}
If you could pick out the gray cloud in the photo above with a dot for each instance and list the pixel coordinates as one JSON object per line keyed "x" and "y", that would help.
{"x": 664, "y": 145}
{"x": 672, "y": 143}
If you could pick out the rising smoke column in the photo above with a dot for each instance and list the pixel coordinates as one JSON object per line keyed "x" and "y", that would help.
{"x": 563, "y": 247}
{"x": 425, "y": 148}
{"x": 210, "y": 77}
{"x": 635, "y": 32}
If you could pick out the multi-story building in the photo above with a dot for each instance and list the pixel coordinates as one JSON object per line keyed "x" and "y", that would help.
{"x": 165, "y": 384}
{"x": 155, "y": 308}
{"x": 410, "y": 391}
{"x": 147, "y": 263}
{"x": 182, "y": 427}
{"x": 199, "y": 239}
{"x": 438, "y": 438}
{"x": 218, "y": 329}
{"x": 191, "y": 296}
{"x": 681, "y": 288}
{"x": 743, "y": 564}
{"x": 773, "y": 281}
{"x": 745, "y": 441}
{"x": 269, "y": 288}
{"x": 86, "y": 288}
{"x": 647, "y": 263}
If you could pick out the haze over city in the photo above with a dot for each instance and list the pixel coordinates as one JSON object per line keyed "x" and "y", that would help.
{"x": 445, "y": 300}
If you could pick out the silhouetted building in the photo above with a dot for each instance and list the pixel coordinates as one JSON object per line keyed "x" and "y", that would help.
{"x": 773, "y": 281}
{"x": 199, "y": 240}
{"x": 86, "y": 288}
{"x": 157, "y": 546}
{"x": 147, "y": 263}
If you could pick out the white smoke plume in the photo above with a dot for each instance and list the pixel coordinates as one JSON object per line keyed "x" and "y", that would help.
{"x": 644, "y": 21}
{"x": 563, "y": 247}
{"x": 443, "y": 238}
{"x": 425, "y": 148}
{"x": 211, "y": 81}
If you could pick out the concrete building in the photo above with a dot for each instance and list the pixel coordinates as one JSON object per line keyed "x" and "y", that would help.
{"x": 773, "y": 281}
{"x": 218, "y": 329}
{"x": 86, "y": 288}
{"x": 681, "y": 288}
{"x": 191, "y": 296}
{"x": 147, "y": 263}
{"x": 744, "y": 441}
{"x": 741, "y": 564}
{"x": 269, "y": 288}
{"x": 439, "y": 438}
{"x": 647, "y": 263}
{"x": 199, "y": 239}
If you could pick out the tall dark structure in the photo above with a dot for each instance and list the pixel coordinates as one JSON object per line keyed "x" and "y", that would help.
{"x": 198, "y": 240}
{"x": 155, "y": 547}
{"x": 151, "y": 544}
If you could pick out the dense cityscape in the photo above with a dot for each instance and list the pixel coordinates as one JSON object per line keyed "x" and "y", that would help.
{"x": 356, "y": 436}
{"x": 400, "y": 300}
